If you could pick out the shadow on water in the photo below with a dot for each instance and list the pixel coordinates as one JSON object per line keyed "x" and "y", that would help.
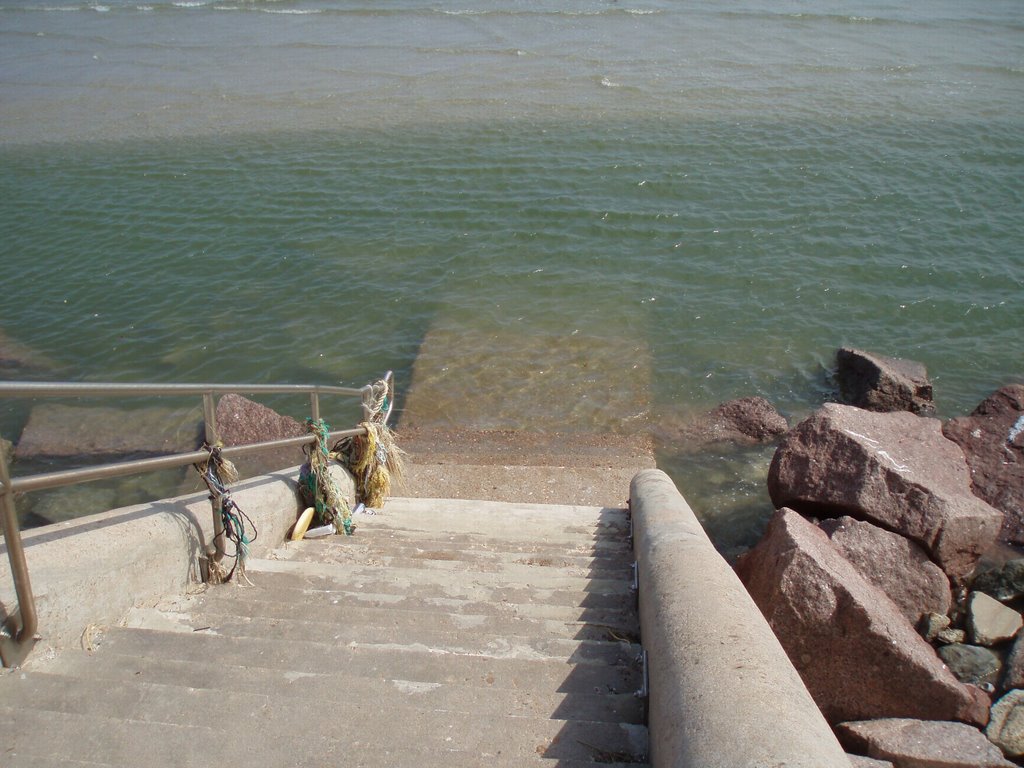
{"x": 604, "y": 718}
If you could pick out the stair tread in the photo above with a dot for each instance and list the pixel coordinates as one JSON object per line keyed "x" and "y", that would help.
{"x": 291, "y": 605}
{"x": 272, "y": 736}
{"x": 338, "y": 686}
{"x": 410, "y": 661}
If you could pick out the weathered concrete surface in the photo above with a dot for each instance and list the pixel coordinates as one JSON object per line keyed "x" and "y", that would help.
{"x": 587, "y": 468}
{"x": 880, "y": 383}
{"x": 894, "y": 469}
{"x": 507, "y": 378}
{"x": 855, "y": 650}
{"x": 922, "y": 743}
{"x": 93, "y": 569}
{"x": 723, "y": 692}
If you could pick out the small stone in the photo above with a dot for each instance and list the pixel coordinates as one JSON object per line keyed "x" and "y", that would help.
{"x": 932, "y": 624}
{"x": 922, "y": 743}
{"x": 1006, "y": 727}
{"x": 971, "y": 663}
{"x": 989, "y": 622}
{"x": 950, "y": 635}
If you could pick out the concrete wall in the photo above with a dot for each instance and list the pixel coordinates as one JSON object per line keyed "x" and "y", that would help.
{"x": 92, "y": 570}
{"x": 723, "y": 693}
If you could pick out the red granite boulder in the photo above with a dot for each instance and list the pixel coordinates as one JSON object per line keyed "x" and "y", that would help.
{"x": 241, "y": 421}
{"x": 880, "y": 383}
{"x": 855, "y": 650}
{"x": 921, "y": 744}
{"x": 894, "y": 564}
{"x": 892, "y": 469}
{"x": 992, "y": 439}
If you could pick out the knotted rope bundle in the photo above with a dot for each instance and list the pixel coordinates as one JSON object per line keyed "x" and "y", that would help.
{"x": 318, "y": 487}
{"x": 216, "y": 471}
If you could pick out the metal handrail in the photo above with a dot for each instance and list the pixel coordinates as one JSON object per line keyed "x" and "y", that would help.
{"x": 17, "y": 634}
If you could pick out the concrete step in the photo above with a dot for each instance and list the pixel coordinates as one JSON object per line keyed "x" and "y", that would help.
{"x": 339, "y": 688}
{"x": 526, "y": 586}
{"x": 408, "y": 549}
{"x": 412, "y": 661}
{"x": 290, "y": 589}
{"x": 288, "y": 605}
{"x": 465, "y": 642}
{"x": 16, "y": 759}
{"x": 509, "y": 520}
{"x": 271, "y": 735}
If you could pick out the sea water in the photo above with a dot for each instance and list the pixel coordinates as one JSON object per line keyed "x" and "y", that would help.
{"x": 301, "y": 190}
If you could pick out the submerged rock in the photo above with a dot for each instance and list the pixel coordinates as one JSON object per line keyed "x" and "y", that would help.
{"x": 855, "y": 650}
{"x": 992, "y": 440}
{"x": 880, "y": 383}
{"x": 922, "y": 744}
{"x": 893, "y": 469}
{"x": 746, "y": 420}
{"x": 56, "y": 431}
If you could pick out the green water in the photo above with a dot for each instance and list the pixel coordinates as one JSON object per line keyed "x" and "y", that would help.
{"x": 734, "y": 191}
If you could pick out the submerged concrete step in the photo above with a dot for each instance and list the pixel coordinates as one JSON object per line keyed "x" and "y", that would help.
{"x": 338, "y": 688}
{"x": 403, "y": 661}
{"x": 286, "y": 737}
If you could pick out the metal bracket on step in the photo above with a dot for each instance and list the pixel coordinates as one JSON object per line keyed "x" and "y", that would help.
{"x": 635, "y": 586}
{"x": 645, "y": 680}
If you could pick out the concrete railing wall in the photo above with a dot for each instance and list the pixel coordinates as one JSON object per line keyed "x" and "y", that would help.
{"x": 723, "y": 693}
{"x": 93, "y": 569}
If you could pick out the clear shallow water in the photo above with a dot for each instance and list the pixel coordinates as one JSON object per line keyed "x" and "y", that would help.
{"x": 303, "y": 191}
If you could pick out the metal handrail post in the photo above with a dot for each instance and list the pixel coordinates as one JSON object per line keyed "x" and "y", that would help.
{"x": 215, "y": 553}
{"x": 367, "y": 402}
{"x": 18, "y": 634}
{"x": 314, "y": 405}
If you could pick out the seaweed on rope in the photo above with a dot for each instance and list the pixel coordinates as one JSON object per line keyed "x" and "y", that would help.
{"x": 374, "y": 459}
{"x": 318, "y": 488}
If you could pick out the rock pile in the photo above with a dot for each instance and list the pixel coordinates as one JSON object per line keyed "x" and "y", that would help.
{"x": 869, "y": 570}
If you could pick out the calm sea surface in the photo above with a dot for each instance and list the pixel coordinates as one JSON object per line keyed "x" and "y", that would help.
{"x": 303, "y": 191}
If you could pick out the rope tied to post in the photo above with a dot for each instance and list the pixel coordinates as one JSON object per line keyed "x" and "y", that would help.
{"x": 374, "y": 459}
{"x": 216, "y": 472}
{"x": 318, "y": 488}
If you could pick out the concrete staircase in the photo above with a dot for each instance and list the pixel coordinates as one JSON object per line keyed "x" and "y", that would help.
{"x": 445, "y": 632}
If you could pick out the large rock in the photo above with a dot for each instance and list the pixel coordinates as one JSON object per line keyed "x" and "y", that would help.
{"x": 1006, "y": 727}
{"x": 56, "y": 431}
{"x": 880, "y": 383}
{"x": 992, "y": 439}
{"x": 1013, "y": 669}
{"x": 921, "y": 744}
{"x": 746, "y": 420}
{"x": 894, "y": 564}
{"x": 855, "y": 650}
{"x": 1003, "y": 582}
{"x": 893, "y": 469}
{"x": 241, "y": 421}
{"x": 18, "y": 360}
